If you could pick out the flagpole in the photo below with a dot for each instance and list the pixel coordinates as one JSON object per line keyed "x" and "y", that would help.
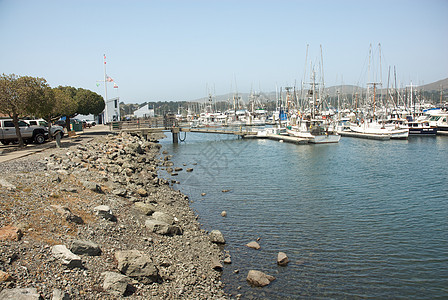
{"x": 105, "y": 90}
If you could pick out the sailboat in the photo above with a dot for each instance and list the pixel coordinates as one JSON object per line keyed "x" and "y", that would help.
{"x": 313, "y": 125}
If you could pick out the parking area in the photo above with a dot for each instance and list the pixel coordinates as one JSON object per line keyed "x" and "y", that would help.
{"x": 12, "y": 151}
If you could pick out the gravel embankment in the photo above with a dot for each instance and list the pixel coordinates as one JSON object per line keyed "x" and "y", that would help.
{"x": 53, "y": 198}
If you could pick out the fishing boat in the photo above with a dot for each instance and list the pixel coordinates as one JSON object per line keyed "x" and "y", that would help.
{"x": 372, "y": 127}
{"x": 313, "y": 125}
{"x": 440, "y": 120}
{"x": 316, "y": 131}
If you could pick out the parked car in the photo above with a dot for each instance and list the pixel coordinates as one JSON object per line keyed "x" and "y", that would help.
{"x": 36, "y": 134}
{"x": 89, "y": 123}
{"x": 54, "y": 130}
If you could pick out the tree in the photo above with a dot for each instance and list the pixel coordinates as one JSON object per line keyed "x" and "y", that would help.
{"x": 66, "y": 104}
{"x": 89, "y": 102}
{"x": 18, "y": 97}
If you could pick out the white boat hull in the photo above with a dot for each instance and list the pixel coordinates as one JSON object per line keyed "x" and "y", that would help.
{"x": 315, "y": 139}
{"x": 394, "y": 133}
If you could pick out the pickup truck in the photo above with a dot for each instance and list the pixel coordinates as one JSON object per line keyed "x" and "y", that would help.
{"x": 36, "y": 134}
{"x": 54, "y": 129}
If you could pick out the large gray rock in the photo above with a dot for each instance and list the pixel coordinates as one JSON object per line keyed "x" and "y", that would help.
{"x": 258, "y": 278}
{"x": 120, "y": 192}
{"x": 85, "y": 248}
{"x": 66, "y": 213}
{"x": 217, "y": 237}
{"x": 67, "y": 257}
{"x": 60, "y": 295}
{"x": 253, "y": 245}
{"x": 282, "y": 259}
{"x": 145, "y": 208}
{"x": 20, "y": 294}
{"x": 92, "y": 186}
{"x": 105, "y": 212}
{"x": 216, "y": 265}
{"x": 161, "y": 227}
{"x": 138, "y": 265}
{"x": 115, "y": 283}
{"x": 161, "y": 216}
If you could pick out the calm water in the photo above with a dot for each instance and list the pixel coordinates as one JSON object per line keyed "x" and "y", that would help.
{"x": 358, "y": 219}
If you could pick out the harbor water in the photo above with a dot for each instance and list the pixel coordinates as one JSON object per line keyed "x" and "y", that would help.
{"x": 358, "y": 219}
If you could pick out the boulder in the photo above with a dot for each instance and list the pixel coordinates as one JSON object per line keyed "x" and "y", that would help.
{"x": 66, "y": 213}
{"x": 145, "y": 208}
{"x": 120, "y": 192}
{"x": 142, "y": 192}
{"x": 60, "y": 295}
{"x": 115, "y": 283}
{"x": 67, "y": 257}
{"x": 217, "y": 237}
{"x": 105, "y": 212}
{"x": 20, "y": 294}
{"x": 216, "y": 265}
{"x": 85, "y": 248}
{"x": 161, "y": 216}
{"x": 282, "y": 259}
{"x": 258, "y": 278}
{"x": 92, "y": 186}
{"x": 138, "y": 265}
{"x": 10, "y": 233}
{"x": 253, "y": 245}
{"x": 228, "y": 260}
{"x": 161, "y": 227}
{"x": 190, "y": 170}
{"x": 223, "y": 213}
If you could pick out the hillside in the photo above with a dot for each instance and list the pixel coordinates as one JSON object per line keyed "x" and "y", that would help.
{"x": 331, "y": 91}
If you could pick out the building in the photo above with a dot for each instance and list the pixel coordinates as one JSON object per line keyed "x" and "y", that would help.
{"x": 144, "y": 112}
{"x": 111, "y": 112}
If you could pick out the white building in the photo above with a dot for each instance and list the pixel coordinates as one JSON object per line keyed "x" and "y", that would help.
{"x": 111, "y": 112}
{"x": 144, "y": 112}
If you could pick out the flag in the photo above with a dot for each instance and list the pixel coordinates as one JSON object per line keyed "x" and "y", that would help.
{"x": 115, "y": 86}
{"x": 104, "y": 58}
{"x": 97, "y": 84}
{"x": 109, "y": 79}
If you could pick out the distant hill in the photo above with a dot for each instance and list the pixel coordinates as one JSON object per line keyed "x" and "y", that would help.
{"x": 435, "y": 86}
{"x": 332, "y": 91}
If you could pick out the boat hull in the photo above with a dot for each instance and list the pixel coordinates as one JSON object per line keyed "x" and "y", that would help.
{"x": 315, "y": 139}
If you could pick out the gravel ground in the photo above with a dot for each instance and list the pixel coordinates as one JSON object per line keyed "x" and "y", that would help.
{"x": 124, "y": 171}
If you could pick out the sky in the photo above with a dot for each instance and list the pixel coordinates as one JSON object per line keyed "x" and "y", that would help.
{"x": 178, "y": 50}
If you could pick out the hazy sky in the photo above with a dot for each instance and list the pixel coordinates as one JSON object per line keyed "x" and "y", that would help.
{"x": 174, "y": 50}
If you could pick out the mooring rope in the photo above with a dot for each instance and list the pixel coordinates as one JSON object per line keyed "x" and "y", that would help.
{"x": 183, "y": 139}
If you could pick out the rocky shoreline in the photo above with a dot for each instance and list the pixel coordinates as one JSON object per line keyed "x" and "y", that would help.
{"x": 94, "y": 221}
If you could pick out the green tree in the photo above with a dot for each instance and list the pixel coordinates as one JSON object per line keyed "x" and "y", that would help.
{"x": 18, "y": 97}
{"x": 89, "y": 102}
{"x": 65, "y": 104}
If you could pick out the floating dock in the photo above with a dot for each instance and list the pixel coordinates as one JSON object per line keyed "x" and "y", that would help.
{"x": 207, "y": 130}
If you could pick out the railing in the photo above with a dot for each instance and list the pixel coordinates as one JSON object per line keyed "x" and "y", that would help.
{"x": 137, "y": 124}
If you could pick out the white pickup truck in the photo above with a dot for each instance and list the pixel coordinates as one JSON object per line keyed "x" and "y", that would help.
{"x": 36, "y": 134}
{"x": 54, "y": 129}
